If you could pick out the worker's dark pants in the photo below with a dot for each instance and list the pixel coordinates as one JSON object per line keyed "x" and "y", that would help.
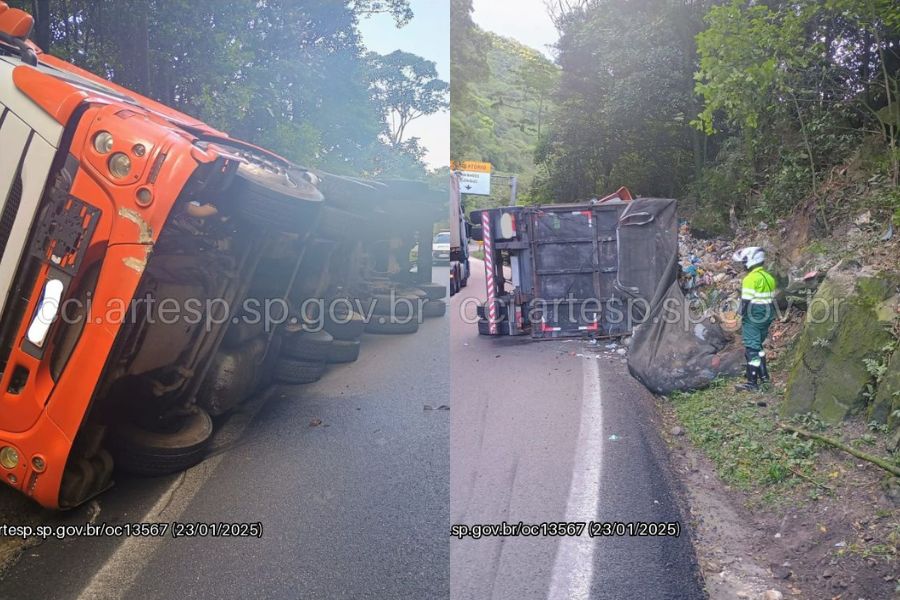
{"x": 754, "y": 329}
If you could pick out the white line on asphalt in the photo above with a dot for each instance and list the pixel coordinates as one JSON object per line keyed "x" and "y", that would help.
{"x": 114, "y": 579}
{"x": 573, "y": 569}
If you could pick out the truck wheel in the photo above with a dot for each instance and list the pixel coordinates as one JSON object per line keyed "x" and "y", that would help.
{"x": 382, "y": 324}
{"x": 502, "y": 312}
{"x": 484, "y": 328}
{"x": 343, "y": 351}
{"x": 276, "y": 198}
{"x": 434, "y": 308}
{"x": 307, "y": 345}
{"x": 396, "y": 305}
{"x": 289, "y": 370}
{"x": 347, "y": 327}
{"x": 147, "y": 452}
{"x": 435, "y": 291}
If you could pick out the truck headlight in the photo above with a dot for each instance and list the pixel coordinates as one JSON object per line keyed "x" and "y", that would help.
{"x": 47, "y": 310}
{"x": 103, "y": 142}
{"x": 119, "y": 165}
{"x": 9, "y": 457}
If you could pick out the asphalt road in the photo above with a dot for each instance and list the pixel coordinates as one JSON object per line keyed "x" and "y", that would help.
{"x": 348, "y": 476}
{"x": 546, "y": 431}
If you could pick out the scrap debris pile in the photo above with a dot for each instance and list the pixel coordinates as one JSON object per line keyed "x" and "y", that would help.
{"x": 708, "y": 274}
{"x": 712, "y": 281}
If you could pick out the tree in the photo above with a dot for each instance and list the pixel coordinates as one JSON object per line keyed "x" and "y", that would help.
{"x": 290, "y": 76}
{"x": 624, "y": 100}
{"x": 801, "y": 84}
{"x": 407, "y": 87}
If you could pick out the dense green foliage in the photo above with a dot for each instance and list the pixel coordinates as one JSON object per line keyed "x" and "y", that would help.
{"x": 291, "y": 76}
{"x": 797, "y": 89}
{"x": 741, "y": 109}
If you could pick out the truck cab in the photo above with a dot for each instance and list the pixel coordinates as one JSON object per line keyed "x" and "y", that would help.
{"x": 112, "y": 205}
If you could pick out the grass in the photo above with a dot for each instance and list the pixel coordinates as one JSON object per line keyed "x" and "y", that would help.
{"x": 479, "y": 254}
{"x": 748, "y": 450}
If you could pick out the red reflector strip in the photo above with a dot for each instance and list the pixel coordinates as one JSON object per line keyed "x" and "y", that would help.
{"x": 546, "y": 328}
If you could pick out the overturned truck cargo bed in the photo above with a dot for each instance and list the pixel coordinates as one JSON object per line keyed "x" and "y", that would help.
{"x": 570, "y": 270}
{"x": 603, "y": 268}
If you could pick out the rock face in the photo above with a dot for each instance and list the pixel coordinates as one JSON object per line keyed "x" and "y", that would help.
{"x": 847, "y": 322}
{"x": 887, "y": 396}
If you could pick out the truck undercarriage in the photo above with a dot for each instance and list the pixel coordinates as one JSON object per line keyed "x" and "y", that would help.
{"x": 156, "y": 273}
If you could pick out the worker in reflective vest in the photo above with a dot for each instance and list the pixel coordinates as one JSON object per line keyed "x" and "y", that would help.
{"x": 757, "y": 313}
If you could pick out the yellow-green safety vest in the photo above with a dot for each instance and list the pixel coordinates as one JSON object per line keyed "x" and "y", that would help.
{"x": 758, "y": 287}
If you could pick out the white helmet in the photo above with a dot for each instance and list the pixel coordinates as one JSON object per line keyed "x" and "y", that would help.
{"x": 750, "y": 257}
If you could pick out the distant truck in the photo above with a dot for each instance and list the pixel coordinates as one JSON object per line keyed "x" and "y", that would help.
{"x": 574, "y": 270}
{"x": 459, "y": 239}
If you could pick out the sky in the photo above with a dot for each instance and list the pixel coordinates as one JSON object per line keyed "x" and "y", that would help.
{"x": 524, "y": 20}
{"x": 428, "y": 35}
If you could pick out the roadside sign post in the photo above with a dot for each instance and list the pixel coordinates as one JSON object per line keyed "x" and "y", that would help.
{"x": 474, "y": 177}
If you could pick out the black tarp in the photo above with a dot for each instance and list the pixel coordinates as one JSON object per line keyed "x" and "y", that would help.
{"x": 671, "y": 348}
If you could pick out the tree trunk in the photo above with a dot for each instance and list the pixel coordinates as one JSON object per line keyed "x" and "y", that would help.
{"x": 41, "y": 33}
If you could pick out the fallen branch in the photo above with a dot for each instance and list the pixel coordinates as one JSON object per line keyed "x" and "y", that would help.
{"x": 799, "y": 473}
{"x": 875, "y": 460}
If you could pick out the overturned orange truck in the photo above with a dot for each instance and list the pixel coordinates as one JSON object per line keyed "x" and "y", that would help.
{"x": 108, "y": 198}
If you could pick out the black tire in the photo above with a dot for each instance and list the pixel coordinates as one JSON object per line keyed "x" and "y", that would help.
{"x": 484, "y": 328}
{"x": 502, "y": 312}
{"x": 382, "y": 324}
{"x": 343, "y": 351}
{"x": 434, "y": 308}
{"x": 435, "y": 291}
{"x": 410, "y": 290}
{"x": 395, "y": 304}
{"x": 289, "y": 370}
{"x": 307, "y": 345}
{"x": 398, "y": 288}
{"x": 347, "y": 327}
{"x": 281, "y": 201}
{"x": 144, "y": 452}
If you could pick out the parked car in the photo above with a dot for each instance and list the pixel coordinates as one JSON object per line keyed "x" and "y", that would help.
{"x": 440, "y": 248}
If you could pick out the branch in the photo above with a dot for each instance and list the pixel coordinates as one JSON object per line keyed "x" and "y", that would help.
{"x": 875, "y": 460}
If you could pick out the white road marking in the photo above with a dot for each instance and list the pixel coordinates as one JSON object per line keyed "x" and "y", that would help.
{"x": 573, "y": 569}
{"x": 114, "y": 579}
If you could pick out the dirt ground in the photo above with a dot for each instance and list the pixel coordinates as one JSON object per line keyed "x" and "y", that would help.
{"x": 841, "y": 546}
